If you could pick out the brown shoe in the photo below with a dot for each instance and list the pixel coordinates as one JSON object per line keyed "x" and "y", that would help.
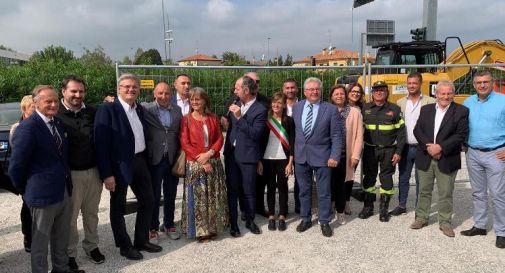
{"x": 447, "y": 231}
{"x": 418, "y": 224}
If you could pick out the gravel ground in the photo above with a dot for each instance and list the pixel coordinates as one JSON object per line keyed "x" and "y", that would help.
{"x": 359, "y": 246}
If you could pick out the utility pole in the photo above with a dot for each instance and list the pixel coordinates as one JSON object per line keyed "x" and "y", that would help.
{"x": 164, "y": 29}
{"x": 430, "y": 19}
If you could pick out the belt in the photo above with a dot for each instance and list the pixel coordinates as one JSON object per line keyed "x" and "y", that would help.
{"x": 488, "y": 149}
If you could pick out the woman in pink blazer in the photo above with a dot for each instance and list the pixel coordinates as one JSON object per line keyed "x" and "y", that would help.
{"x": 343, "y": 175}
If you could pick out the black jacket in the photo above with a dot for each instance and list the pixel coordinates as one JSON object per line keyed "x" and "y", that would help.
{"x": 79, "y": 129}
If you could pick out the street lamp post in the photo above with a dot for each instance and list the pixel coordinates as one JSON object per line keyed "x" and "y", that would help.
{"x": 268, "y": 49}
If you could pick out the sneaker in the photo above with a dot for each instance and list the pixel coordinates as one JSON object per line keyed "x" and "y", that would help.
{"x": 72, "y": 263}
{"x": 96, "y": 256}
{"x": 153, "y": 237}
{"x": 447, "y": 230}
{"x": 173, "y": 233}
{"x": 341, "y": 219}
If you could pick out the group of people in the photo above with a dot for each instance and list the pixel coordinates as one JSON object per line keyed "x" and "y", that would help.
{"x": 63, "y": 150}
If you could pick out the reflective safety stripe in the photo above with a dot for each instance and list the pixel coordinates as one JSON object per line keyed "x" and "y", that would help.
{"x": 383, "y": 127}
{"x": 370, "y": 190}
{"x": 390, "y": 192}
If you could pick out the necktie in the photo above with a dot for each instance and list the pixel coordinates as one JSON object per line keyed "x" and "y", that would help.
{"x": 308, "y": 122}
{"x": 56, "y": 137}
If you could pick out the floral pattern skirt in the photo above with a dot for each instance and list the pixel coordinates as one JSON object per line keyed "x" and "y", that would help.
{"x": 205, "y": 202}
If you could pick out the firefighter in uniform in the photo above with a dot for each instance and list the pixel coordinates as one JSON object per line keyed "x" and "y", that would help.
{"x": 384, "y": 140}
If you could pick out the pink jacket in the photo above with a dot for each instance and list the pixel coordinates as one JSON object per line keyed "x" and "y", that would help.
{"x": 354, "y": 140}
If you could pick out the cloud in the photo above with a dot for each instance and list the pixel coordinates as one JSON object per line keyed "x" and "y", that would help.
{"x": 220, "y": 10}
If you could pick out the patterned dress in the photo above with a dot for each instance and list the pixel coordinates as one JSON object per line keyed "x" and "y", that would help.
{"x": 205, "y": 203}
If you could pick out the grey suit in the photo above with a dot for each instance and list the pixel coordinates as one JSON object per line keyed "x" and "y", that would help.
{"x": 162, "y": 146}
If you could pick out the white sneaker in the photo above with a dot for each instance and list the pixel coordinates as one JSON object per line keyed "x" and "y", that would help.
{"x": 341, "y": 219}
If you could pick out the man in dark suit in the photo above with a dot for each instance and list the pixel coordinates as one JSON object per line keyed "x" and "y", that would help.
{"x": 38, "y": 168}
{"x": 242, "y": 152}
{"x": 441, "y": 130}
{"x": 182, "y": 85}
{"x": 318, "y": 145}
{"x": 120, "y": 147}
{"x": 163, "y": 120}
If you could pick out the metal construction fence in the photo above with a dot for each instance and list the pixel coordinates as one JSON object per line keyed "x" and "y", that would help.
{"x": 219, "y": 81}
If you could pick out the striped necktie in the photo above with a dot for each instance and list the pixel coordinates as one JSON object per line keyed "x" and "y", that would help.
{"x": 56, "y": 136}
{"x": 308, "y": 122}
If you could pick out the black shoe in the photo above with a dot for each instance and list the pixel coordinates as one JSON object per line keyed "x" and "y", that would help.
{"x": 271, "y": 225}
{"x": 282, "y": 225}
{"x": 252, "y": 227}
{"x": 28, "y": 245}
{"x": 72, "y": 263}
{"x": 473, "y": 231}
{"x": 96, "y": 256}
{"x": 68, "y": 271}
{"x": 366, "y": 212}
{"x": 398, "y": 211}
{"x": 303, "y": 226}
{"x": 235, "y": 232}
{"x": 149, "y": 247}
{"x": 131, "y": 253}
{"x": 500, "y": 242}
{"x": 326, "y": 230}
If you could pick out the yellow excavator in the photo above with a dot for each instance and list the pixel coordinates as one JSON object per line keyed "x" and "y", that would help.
{"x": 433, "y": 53}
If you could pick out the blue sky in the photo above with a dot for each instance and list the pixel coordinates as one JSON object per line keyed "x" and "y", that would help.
{"x": 297, "y": 27}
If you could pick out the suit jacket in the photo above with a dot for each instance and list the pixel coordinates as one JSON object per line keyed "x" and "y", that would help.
{"x": 36, "y": 168}
{"x": 325, "y": 139}
{"x": 160, "y": 137}
{"x": 247, "y": 132}
{"x": 115, "y": 143}
{"x": 451, "y": 135}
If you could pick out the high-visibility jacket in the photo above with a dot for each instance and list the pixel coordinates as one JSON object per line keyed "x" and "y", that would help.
{"x": 384, "y": 126}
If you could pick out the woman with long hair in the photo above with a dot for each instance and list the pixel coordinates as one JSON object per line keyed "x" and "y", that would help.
{"x": 277, "y": 161}
{"x": 343, "y": 175}
{"x": 356, "y": 95}
{"x": 205, "y": 204}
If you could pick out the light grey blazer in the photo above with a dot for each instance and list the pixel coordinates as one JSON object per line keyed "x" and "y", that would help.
{"x": 158, "y": 136}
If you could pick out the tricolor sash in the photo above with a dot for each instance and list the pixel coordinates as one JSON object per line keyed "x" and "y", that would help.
{"x": 278, "y": 131}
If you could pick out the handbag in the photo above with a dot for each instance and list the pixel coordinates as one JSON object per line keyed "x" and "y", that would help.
{"x": 179, "y": 168}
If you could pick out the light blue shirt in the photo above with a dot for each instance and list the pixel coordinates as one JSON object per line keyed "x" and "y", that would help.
{"x": 306, "y": 109}
{"x": 487, "y": 121}
{"x": 165, "y": 116}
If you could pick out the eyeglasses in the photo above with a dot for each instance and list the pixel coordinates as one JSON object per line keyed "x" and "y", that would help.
{"x": 482, "y": 83}
{"x": 312, "y": 89}
{"x": 354, "y": 92}
{"x": 129, "y": 86}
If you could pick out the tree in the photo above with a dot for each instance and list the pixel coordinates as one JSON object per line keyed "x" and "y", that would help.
{"x": 233, "y": 59}
{"x": 288, "y": 61}
{"x": 150, "y": 57}
{"x": 126, "y": 60}
{"x": 279, "y": 61}
{"x": 6, "y": 48}
{"x": 97, "y": 56}
{"x": 53, "y": 54}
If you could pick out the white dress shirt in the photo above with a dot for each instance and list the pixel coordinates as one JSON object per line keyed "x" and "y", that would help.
{"x": 439, "y": 116}
{"x": 411, "y": 115}
{"x": 184, "y": 104}
{"x": 137, "y": 128}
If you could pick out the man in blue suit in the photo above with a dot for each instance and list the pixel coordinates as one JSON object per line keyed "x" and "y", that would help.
{"x": 247, "y": 120}
{"x": 318, "y": 145}
{"x": 39, "y": 171}
{"x": 121, "y": 155}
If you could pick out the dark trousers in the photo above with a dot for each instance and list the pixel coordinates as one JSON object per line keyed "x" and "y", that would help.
{"x": 261, "y": 184}
{"x": 405, "y": 168}
{"x": 242, "y": 177}
{"x": 26, "y": 224}
{"x": 141, "y": 187}
{"x": 304, "y": 174}
{"x": 338, "y": 190}
{"x": 373, "y": 157}
{"x": 296, "y": 193}
{"x": 161, "y": 174}
{"x": 348, "y": 190}
{"x": 274, "y": 174}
